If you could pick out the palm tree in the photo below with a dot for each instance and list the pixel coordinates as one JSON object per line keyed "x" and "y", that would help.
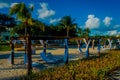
{"x": 23, "y": 13}
{"x": 37, "y": 27}
{"x": 80, "y": 32}
{"x": 86, "y": 32}
{"x": 67, "y": 22}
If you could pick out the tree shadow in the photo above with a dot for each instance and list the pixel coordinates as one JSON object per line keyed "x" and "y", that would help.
{"x": 5, "y": 56}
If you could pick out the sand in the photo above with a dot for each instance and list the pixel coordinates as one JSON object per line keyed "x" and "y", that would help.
{"x": 8, "y": 71}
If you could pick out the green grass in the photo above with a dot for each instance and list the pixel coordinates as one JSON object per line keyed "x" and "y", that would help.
{"x": 4, "y": 47}
{"x": 86, "y": 69}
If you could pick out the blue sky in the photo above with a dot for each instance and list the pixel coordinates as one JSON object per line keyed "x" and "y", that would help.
{"x": 101, "y": 16}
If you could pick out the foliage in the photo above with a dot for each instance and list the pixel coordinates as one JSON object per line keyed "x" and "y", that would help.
{"x": 23, "y": 13}
{"x": 83, "y": 32}
{"x": 37, "y": 28}
{"x": 6, "y": 22}
{"x": 68, "y": 23}
{"x": 59, "y": 30}
{"x": 86, "y": 32}
{"x": 2, "y": 29}
{"x": 86, "y": 69}
{"x": 4, "y": 47}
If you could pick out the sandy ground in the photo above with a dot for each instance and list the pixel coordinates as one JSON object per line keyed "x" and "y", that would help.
{"x": 8, "y": 71}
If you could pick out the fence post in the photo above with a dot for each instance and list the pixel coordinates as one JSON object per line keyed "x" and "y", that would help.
{"x": 93, "y": 44}
{"x": 44, "y": 46}
{"x": 66, "y": 51}
{"x": 29, "y": 59}
{"x": 11, "y": 57}
{"x": 99, "y": 47}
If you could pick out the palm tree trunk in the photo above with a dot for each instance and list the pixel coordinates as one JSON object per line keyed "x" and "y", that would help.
{"x": 68, "y": 31}
{"x": 25, "y": 34}
{"x": 29, "y": 57}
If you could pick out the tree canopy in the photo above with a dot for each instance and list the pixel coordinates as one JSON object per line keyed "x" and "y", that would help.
{"x": 68, "y": 23}
{"x": 65, "y": 27}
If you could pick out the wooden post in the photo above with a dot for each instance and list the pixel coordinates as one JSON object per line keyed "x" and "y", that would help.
{"x": 29, "y": 61}
{"x": 12, "y": 51}
{"x": 44, "y": 46}
{"x": 93, "y": 44}
{"x": 25, "y": 46}
{"x": 66, "y": 52}
{"x": 99, "y": 47}
{"x": 25, "y": 55}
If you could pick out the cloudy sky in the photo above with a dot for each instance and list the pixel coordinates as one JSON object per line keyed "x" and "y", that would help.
{"x": 101, "y": 16}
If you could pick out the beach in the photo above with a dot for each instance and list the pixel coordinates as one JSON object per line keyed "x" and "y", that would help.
{"x": 8, "y": 71}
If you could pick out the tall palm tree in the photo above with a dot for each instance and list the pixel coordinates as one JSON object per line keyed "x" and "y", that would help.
{"x": 80, "y": 34}
{"x": 86, "y": 33}
{"x": 67, "y": 22}
{"x": 22, "y": 13}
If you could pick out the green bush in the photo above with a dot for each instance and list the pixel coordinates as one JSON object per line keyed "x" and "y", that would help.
{"x": 4, "y": 42}
{"x": 4, "y": 47}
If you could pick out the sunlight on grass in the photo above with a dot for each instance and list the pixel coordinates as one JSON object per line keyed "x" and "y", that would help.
{"x": 93, "y": 68}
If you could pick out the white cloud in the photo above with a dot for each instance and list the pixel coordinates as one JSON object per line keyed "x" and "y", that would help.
{"x": 31, "y": 5}
{"x": 4, "y": 5}
{"x": 116, "y": 26}
{"x": 54, "y": 20}
{"x": 107, "y": 21}
{"x": 44, "y": 12}
{"x": 92, "y": 22}
{"x": 13, "y": 4}
{"x": 114, "y": 32}
{"x": 44, "y": 5}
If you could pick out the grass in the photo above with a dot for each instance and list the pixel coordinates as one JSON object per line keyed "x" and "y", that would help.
{"x": 4, "y": 47}
{"x": 86, "y": 69}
